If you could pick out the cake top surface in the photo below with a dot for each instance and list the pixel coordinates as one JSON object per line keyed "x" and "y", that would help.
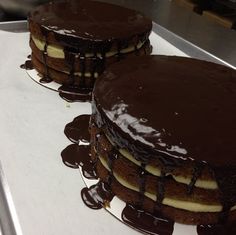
{"x": 181, "y": 107}
{"x": 90, "y": 20}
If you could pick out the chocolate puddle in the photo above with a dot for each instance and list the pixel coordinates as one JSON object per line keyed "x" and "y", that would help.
{"x": 76, "y": 155}
{"x": 77, "y": 130}
{"x": 97, "y": 196}
{"x": 27, "y": 65}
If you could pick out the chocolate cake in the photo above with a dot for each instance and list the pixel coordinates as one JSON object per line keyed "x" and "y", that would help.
{"x": 162, "y": 137}
{"x": 73, "y": 41}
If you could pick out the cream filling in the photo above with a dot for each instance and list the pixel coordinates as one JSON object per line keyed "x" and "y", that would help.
{"x": 206, "y": 184}
{"x": 55, "y": 51}
{"x": 179, "y": 204}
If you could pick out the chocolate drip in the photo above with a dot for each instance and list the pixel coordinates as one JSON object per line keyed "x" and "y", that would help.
{"x": 29, "y": 56}
{"x": 145, "y": 222}
{"x": 142, "y": 183}
{"x": 76, "y": 155}
{"x": 46, "y": 78}
{"x": 118, "y": 51}
{"x": 137, "y": 52}
{"x": 97, "y": 196}
{"x": 82, "y": 66}
{"x": 226, "y": 180}
{"x": 217, "y": 229}
{"x": 196, "y": 174}
{"x": 70, "y": 60}
{"x": 113, "y": 155}
{"x": 74, "y": 94}
{"x": 77, "y": 130}
{"x": 160, "y": 191}
{"x": 27, "y": 65}
{"x": 95, "y": 65}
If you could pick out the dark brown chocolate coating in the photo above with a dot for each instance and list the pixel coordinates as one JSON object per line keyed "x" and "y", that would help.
{"x": 74, "y": 21}
{"x": 181, "y": 108}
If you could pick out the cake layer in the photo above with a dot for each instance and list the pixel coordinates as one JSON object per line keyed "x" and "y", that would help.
{"x": 138, "y": 178}
{"x": 86, "y": 81}
{"x": 58, "y": 51}
{"x": 182, "y": 174}
{"x": 149, "y": 205}
{"x": 90, "y": 64}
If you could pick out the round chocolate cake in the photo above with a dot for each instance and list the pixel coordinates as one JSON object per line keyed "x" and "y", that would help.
{"x": 73, "y": 41}
{"x": 162, "y": 134}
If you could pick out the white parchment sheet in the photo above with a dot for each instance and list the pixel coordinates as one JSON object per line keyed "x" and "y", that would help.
{"x": 45, "y": 192}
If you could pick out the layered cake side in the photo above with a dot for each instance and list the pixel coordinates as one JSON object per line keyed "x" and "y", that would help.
{"x": 73, "y": 41}
{"x": 162, "y": 137}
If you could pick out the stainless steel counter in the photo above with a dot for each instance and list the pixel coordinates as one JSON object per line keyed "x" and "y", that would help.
{"x": 194, "y": 28}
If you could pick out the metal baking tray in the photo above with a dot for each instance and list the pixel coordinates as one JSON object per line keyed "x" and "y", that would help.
{"x": 9, "y": 223}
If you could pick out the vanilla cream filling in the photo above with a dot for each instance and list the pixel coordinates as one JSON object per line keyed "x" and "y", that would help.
{"x": 179, "y": 204}
{"x": 55, "y": 51}
{"x": 206, "y": 184}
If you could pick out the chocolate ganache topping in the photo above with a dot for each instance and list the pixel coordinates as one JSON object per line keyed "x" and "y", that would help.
{"x": 177, "y": 108}
{"x": 80, "y": 21}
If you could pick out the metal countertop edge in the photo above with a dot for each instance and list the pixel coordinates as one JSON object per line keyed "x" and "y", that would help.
{"x": 9, "y": 222}
{"x": 187, "y": 47}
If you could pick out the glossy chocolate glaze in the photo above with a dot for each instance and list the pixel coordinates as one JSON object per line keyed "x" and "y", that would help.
{"x": 146, "y": 222}
{"x": 76, "y": 22}
{"x": 188, "y": 114}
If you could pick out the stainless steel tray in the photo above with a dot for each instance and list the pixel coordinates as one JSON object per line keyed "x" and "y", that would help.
{"x": 9, "y": 223}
